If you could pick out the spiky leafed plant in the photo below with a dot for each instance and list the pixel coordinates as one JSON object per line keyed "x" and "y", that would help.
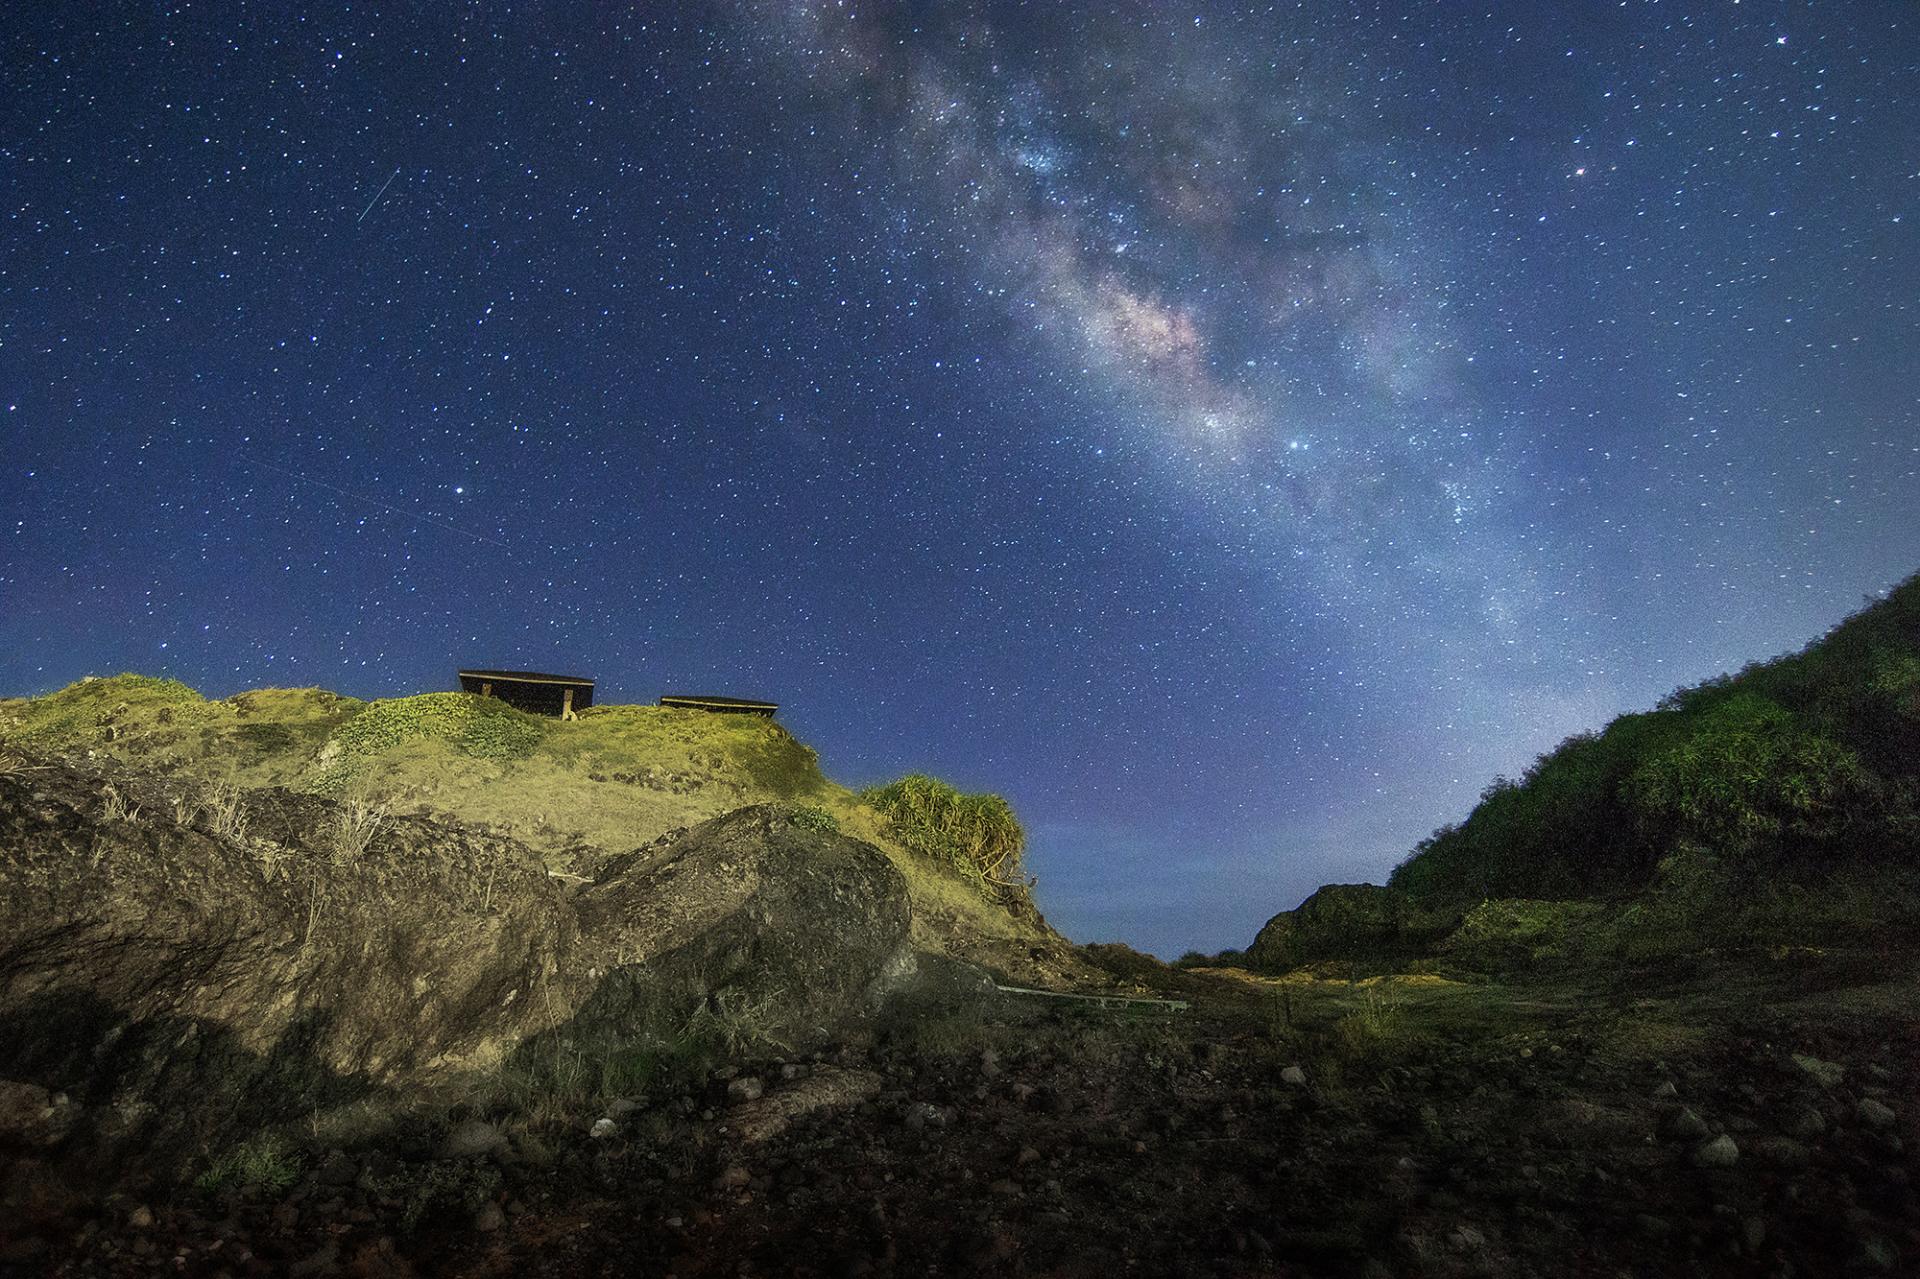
{"x": 977, "y": 835}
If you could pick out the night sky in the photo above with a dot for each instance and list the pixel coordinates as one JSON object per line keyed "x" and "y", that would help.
{"x": 1235, "y": 433}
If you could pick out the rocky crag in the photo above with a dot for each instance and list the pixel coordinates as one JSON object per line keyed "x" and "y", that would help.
{"x": 184, "y": 978}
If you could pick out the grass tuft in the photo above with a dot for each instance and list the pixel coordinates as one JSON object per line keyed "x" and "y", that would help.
{"x": 975, "y": 835}
{"x": 357, "y": 822}
{"x": 267, "y": 1160}
{"x": 223, "y": 805}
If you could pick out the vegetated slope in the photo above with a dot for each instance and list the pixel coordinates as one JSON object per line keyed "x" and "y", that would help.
{"x": 1804, "y": 764}
{"x": 575, "y": 792}
{"x": 1776, "y": 807}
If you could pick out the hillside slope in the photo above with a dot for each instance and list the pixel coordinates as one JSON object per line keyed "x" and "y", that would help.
{"x": 1794, "y": 766}
{"x": 576, "y": 792}
{"x": 1777, "y": 807}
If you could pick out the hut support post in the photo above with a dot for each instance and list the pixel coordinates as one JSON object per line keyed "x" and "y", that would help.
{"x": 566, "y": 704}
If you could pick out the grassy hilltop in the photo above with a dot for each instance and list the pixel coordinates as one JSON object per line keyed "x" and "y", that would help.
{"x": 574, "y": 792}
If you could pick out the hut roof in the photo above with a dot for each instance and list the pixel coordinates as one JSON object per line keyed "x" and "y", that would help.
{"x": 525, "y": 677}
{"x": 702, "y": 702}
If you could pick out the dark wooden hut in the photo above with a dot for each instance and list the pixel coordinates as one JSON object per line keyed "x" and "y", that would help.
{"x": 720, "y": 705}
{"x": 531, "y": 691}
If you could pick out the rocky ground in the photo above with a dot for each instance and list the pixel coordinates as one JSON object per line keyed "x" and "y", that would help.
{"x": 1747, "y": 1120}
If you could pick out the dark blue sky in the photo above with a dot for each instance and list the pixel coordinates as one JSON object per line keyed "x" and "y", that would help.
{"x": 1235, "y": 433}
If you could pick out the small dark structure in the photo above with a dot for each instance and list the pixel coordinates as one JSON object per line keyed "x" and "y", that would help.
{"x": 720, "y": 705}
{"x": 531, "y": 691}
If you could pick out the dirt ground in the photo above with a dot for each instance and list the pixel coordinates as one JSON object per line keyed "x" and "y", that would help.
{"x": 1737, "y": 1119}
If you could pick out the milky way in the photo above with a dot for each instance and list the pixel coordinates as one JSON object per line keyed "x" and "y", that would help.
{"x": 1235, "y": 433}
{"x": 1209, "y": 242}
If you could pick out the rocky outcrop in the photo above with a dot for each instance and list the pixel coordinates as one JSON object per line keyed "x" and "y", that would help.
{"x": 174, "y": 971}
{"x": 794, "y": 924}
{"x": 172, "y": 968}
{"x": 1344, "y": 921}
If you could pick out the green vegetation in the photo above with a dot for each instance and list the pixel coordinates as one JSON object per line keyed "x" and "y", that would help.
{"x": 98, "y": 709}
{"x": 558, "y": 1080}
{"x": 1505, "y": 933}
{"x": 1789, "y": 771}
{"x": 268, "y": 737}
{"x": 1374, "y": 1034}
{"x": 1748, "y": 774}
{"x": 1229, "y": 958}
{"x": 974, "y": 835}
{"x": 478, "y": 727}
{"x": 813, "y": 817}
{"x": 267, "y": 1160}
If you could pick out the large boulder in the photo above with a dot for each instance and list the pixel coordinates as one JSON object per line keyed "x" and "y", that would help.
{"x": 175, "y": 970}
{"x": 750, "y": 914}
{"x": 178, "y": 974}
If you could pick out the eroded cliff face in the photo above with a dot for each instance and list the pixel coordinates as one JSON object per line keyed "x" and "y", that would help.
{"x": 179, "y": 972}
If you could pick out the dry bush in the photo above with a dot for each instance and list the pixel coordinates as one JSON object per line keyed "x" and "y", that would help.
{"x": 115, "y": 808}
{"x": 357, "y": 822}
{"x": 734, "y": 1024}
{"x": 224, "y": 807}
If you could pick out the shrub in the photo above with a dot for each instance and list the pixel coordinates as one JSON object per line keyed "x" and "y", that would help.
{"x": 1516, "y": 841}
{"x": 444, "y": 1187}
{"x": 482, "y": 727}
{"x": 812, "y": 817}
{"x": 1229, "y": 958}
{"x": 976, "y": 835}
{"x": 1748, "y": 774}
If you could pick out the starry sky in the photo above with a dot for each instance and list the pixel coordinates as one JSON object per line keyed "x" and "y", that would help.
{"x": 1236, "y": 433}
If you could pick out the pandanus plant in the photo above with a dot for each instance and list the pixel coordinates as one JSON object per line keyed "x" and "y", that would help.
{"x": 977, "y": 834}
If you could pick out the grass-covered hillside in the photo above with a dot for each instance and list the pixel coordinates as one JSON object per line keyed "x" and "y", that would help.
{"x": 1798, "y": 769}
{"x": 613, "y": 779}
